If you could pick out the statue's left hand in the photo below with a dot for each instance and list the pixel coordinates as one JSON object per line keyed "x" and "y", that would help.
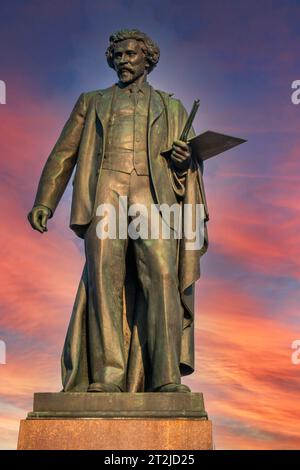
{"x": 181, "y": 155}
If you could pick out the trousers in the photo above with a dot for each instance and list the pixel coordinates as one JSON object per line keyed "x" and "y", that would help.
{"x": 156, "y": 267}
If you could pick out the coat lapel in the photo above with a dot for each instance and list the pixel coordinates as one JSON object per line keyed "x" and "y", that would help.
{"x": 103, "y": 105}
{"x": 156, "y": 106}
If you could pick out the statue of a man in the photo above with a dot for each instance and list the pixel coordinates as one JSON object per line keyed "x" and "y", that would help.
{"x": 132, "y": 323}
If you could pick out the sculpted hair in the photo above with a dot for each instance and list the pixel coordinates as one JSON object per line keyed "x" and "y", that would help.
{"x": 150, "y": 49}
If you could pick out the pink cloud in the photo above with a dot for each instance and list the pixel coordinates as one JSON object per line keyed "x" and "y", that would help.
{"x": 243, "y": 366}
{"x": 243, "y": 353}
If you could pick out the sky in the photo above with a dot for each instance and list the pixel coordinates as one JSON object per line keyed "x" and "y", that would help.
{"x": 240, "y": 59}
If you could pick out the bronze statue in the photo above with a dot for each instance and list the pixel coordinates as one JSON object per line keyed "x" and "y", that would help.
{"x": 132, "y": 323}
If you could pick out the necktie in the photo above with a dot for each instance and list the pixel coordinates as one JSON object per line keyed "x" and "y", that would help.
{"x": 134, "y": 93}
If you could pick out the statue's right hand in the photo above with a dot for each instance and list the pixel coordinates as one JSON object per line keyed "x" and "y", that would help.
{"x": 38, "y": 217}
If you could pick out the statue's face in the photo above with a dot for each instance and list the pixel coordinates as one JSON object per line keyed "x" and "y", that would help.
{"x": 129, "y": 60}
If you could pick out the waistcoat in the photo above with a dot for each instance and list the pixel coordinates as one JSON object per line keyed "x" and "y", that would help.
{"x": 126, "y": 144}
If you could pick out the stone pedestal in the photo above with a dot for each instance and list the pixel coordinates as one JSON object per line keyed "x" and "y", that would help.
{"x": 116, "y": 421}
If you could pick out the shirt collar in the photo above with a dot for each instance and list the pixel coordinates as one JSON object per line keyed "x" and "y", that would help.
{"x": 141, "y": 87}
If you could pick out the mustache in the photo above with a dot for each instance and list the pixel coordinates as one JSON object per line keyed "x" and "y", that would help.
{"x": 122, "y": 69}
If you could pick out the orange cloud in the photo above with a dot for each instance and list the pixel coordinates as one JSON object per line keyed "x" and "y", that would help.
{"x": 243, "y": 350}
{"x": 243, "y": 366}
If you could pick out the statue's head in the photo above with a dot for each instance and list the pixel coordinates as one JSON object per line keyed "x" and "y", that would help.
{"x": 131, "y": 54}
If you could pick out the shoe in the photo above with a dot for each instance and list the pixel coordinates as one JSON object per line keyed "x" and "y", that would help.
{"x": 171, "y": 388}
{"x": 104, "y": 388}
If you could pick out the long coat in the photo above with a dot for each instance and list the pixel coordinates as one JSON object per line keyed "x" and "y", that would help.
{"x": 81, "y": 145}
